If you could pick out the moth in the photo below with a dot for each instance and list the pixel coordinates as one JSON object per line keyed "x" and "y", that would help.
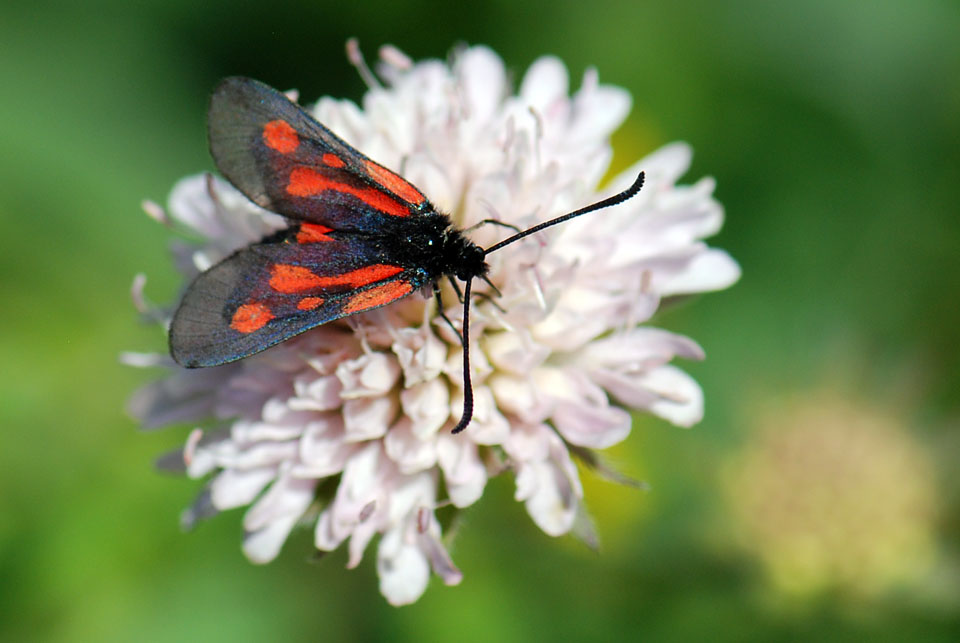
{"x": 360, "y": 236}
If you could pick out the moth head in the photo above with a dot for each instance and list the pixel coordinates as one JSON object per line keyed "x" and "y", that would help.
{"x": 470, "y": 262}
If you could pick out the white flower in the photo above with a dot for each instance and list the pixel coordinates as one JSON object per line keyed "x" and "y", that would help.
{"x": 369, "y": 401}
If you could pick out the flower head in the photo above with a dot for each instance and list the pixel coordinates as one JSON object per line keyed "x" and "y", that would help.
{"x": 365, "y": 405}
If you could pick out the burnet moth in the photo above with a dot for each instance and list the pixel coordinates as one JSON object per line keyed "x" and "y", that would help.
{"x": 360, "y": 236}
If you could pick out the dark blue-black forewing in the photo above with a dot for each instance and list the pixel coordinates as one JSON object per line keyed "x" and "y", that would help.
{"x": 271, "y": 291}
{"x": 285, "y": 161}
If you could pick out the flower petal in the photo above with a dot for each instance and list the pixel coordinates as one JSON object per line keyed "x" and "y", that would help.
{"x": 370, "y": 375}
{"x": 428, "y": 406}
{"x": 581, "y": 411}
{"x": 403, "y": 569}
{"x": 680, "y": 398}
{"x": 545, "y": 83}
{"x": 270, "y": 520}
{"x": 547, "y": 479}
{"x": 368, "y": 418}
{"x": 463, "y": 472}
{"x": 483, "y": 81}
{"x": 235, "y": 488}
{"x": 410, "y": 453}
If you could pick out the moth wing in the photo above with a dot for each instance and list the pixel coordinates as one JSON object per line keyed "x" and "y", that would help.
{"x": 285, "y": 161}
{"x": 271, "y": 291}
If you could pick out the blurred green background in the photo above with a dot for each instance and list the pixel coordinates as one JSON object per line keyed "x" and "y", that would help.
{"x": 817, "y": 500}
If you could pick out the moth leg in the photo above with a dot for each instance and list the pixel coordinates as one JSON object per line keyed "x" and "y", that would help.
{"x": 456, "y": 288}
{"x": 442, "y": 312}
{"x": 492, "y": 222}
{"x": 484, "y": 296}
{"x": 490, "y": 283}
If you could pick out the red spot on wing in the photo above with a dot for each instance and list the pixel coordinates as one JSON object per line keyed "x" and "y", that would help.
{"x": 371, "y": 274}
{"x": 309, "y": 303}
{"x": 289, "y": 279}
{"x": 280, "y": 136}
{"x": 306, "y": 181}
{"x": 313, "y": 233}
{"x": 333, "y": 160}
{"x": 250, "y": 317}
{"x": 377, "y": 296}
{"x": 292, "y": 279}
{"x": 394, "y": 183}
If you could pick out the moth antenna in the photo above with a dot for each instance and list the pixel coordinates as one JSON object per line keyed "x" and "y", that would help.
{"x": 467, "y": 385}
{"x": 606, "y": 203}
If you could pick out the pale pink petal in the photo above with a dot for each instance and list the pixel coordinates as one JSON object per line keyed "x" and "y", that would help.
{"x": 215, "y": 209}
{"x": 259, "y": 454}
{"x": 328, "y": 534}
{"x": 488, "y": 425}
{"x": 483, "y": 82}
{"x": 191, "y": 204}
{"x": 323, "y": 449}
{"x": 369, "y": 375}
{"x": 410, "y": 453}
{"x": 517, "y": 396}
{"x": 358, "y": 488}
{"x": 409, "y": 494}
{"x": 317, "y": 394}
{"x": 597, "y": 426}
{"x": 360, "y": 537}
{"x": 709, "y": 270}
{"x": 263, "y": 545}
{"x": 286, "y": 496}
{"x": 246, "y": 432}
{"x": 663, "y": 167}
{"x": 578, "y": 317}
{"x": 545, "y": 83}
{"x": 235, "y": 488}
{"x": 188, "y": 396}
{"x": 427, "y": 405}
{"x": 639, "y": 348}
{"x": 420, "y": 353}
{"x": 547, "y": 480}
{"x": 624, "y": 365}
{"x": 680, "y": 398}
{"x": 463, "y": 472}
{"x": 270, "y": 520}
{"x": 581, "y": 411}
{"x": 440, "y": 561}
{"x": 203, "y": 461}
{"x": 145, "y": 360}
{"x": 403, "y": 568}
{"x": 514, "y": 352}
{"x": 368, "y": 418}
{"x": 597, "y": 109}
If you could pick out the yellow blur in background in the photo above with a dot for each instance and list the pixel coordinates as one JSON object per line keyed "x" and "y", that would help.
{"x": 832, "y": 495}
